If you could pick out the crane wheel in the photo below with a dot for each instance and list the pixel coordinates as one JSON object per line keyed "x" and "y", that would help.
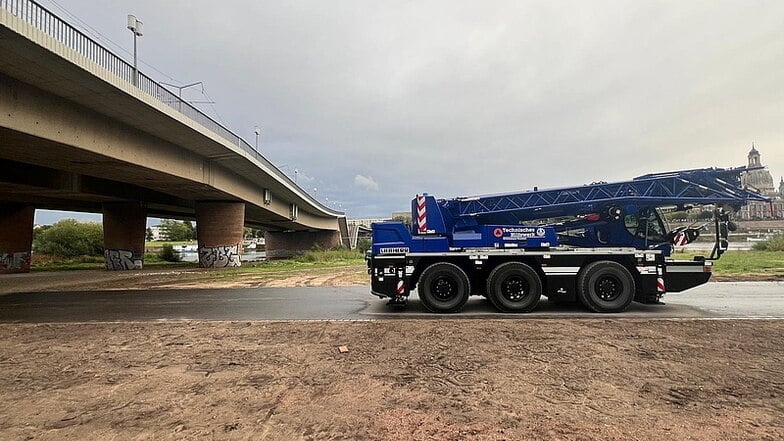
{"x": 605, "y": 286}
{"x": 444, "y": 288}
{"x": 514, "y": 287}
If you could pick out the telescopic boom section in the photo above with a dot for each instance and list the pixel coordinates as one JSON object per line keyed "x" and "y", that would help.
{"x": 717, "y": 186}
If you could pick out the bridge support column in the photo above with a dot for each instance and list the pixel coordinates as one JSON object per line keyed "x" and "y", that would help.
{"x": 16, "y": 238}
{"x": 288, "y": 244}
{"x": 220, "y": 230}
{"x": 124, "y": 226}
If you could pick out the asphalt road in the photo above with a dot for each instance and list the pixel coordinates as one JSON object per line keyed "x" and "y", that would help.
{"x": 713, "y": 300}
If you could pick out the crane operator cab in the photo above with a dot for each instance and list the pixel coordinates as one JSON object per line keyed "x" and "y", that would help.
{"x": 646, "y": 226}
{"x": 648, "y": 229}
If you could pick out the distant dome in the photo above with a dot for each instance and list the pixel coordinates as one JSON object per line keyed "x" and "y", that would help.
{"x": 759, "y": 180}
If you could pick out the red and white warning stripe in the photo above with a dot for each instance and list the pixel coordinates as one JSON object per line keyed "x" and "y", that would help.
{"x": 680, "y": 239}
{"x": 400, "y": 287}
{"x": 660, "y": 284}
{"x": 421, "y": 214}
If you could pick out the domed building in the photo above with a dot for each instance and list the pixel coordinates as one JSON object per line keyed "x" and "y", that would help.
{"x": 781, "y": 188}
{"x": 758, "y": 180}
{"x": 761, "y": 181}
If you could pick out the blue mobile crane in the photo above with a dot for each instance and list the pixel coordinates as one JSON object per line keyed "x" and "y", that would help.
{"x": 602, "y": 244}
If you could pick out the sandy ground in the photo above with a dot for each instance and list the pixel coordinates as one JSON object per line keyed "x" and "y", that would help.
{"x": 399, "y": 380}
{"x": 88, "y": 280}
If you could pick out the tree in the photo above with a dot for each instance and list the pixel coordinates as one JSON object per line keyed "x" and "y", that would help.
{"x": 69, "y": 238}
{"x": 405, "y": 219}
{"x": 177, "y": 231}
{"x": 251, "y": 233}
{"x": 149, "y": 236}
{"x": 168, "y": 254}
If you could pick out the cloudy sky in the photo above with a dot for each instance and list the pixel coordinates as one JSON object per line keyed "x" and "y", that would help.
{"x": 373, "y": 102}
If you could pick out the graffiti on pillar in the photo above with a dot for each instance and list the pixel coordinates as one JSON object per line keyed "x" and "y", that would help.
{"x": 219, "y": 257}
{"x": 11, "y": 262}
{"x": 122, "y": 260}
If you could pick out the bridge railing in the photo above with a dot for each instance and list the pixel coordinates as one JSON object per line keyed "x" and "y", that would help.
{"x": 55, "y": 27}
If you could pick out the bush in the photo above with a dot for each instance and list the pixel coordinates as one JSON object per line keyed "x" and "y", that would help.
{"x": 775, "y": 243}
{"x": 363, "y": 245}
{"x": 69, "y": 238}
{"x": 167, "y": 254}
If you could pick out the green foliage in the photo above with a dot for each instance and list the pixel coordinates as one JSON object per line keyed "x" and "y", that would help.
{"x": 738, "y": 263}
{"x": 405, "y": 219}
{"x": 69, "y": 238}
{"x": 148, "y": 236}
{"x": 337, "y": 255}
{"x": 775, "y": 243}
{"x": 173, "y": 230}
{"x": 251, "y": 233}
{"x": 363, "y": 245}
{"x": 167, "y": 254}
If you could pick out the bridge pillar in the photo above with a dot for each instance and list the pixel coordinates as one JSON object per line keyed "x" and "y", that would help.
{"x": 220, "y": 230}
{"x": 124, "y": 226}
{"x": 16, "y": 238}
{"x": 281, "y": 244}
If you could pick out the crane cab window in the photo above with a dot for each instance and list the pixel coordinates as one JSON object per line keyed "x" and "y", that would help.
{"x": 646, "y": 225}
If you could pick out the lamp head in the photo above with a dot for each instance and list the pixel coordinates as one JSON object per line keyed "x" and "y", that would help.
{"x": 134, "y": 25}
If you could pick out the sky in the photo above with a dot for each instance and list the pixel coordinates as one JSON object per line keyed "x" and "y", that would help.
{"x": 374, "y": 102}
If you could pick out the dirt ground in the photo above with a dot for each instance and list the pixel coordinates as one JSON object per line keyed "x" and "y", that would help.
{"x": 181, "y": 278}
{"x": 399, "y": 380}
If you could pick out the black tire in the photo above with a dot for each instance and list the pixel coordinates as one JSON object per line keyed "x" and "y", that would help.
{"x": 514, "y": 287}
{"x": 605, "y": 286}
{"x": 443, "y": 288}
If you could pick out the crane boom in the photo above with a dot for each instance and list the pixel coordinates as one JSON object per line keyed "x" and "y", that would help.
{"x": 704, "y": 186}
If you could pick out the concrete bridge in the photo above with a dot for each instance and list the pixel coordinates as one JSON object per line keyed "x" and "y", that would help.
{"x": 76, "y": 133}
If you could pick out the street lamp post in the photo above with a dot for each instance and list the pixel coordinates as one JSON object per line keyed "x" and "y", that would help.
{"x": 135, "y": 26}
{"x": 296, "y": 172}
{"x": 257, "y": 131}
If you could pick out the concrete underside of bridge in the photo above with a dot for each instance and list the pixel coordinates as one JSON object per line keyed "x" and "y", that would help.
{"x": 56, "y": 154}
{"x": 74, "y": 137}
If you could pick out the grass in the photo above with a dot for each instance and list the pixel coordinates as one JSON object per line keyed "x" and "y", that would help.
{"x": 53, "y": 263}
{"x": 732, "y": 263}
{"x": 763, "y": 263}
{"x": 310, "y": 261}
{"x": 315, "y": 259}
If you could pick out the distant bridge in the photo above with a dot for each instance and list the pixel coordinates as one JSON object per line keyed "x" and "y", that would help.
{"x": 77, "y": 134}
